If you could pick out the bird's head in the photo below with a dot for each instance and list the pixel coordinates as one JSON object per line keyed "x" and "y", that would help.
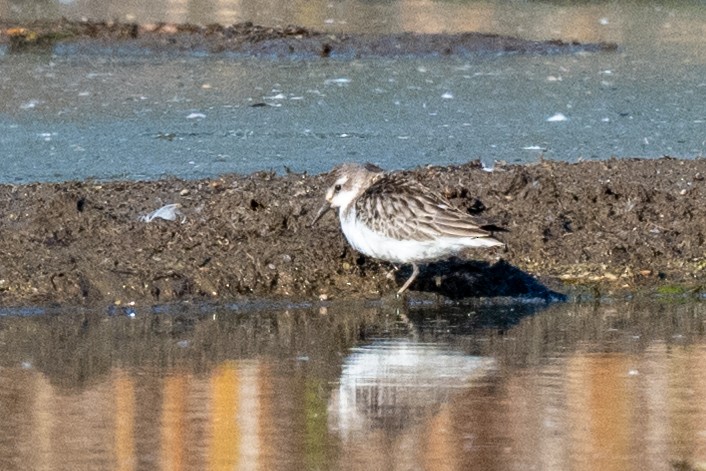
{"x": 351, "y": 181}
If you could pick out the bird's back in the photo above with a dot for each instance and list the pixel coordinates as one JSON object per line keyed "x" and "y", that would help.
{"x": 404, "y": 209}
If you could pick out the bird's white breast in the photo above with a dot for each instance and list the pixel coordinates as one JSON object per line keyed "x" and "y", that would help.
{"x": 378, "y": 245}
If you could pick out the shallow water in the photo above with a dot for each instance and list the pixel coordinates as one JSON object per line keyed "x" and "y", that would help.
{"x": 569, "y": 386}
{"x": 131, "y": 114}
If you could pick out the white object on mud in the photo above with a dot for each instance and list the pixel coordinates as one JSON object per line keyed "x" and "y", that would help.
{"x": 170, "y": 212}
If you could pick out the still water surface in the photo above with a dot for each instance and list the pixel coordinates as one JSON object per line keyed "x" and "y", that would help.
{"x": 570, "y": 386}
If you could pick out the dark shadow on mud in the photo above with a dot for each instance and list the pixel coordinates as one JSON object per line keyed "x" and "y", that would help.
{"x": 461, "y": 279}
{"x": 496, "y": 297}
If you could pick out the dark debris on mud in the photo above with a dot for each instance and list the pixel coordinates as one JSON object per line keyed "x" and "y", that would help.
{"x": 249, "y": 40}
{"x": 608, "y": 226}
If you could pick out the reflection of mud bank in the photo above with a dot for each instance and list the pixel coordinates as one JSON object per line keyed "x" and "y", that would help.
{"x": 183, "y": 340}
{"x": 246, "y": 39}
{"x": 615, "y": 225}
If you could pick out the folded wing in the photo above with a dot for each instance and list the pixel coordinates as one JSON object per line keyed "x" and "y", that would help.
{"x": 404, "y": 209}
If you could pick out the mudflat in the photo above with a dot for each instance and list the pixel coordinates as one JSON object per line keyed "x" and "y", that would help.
{"x": 614, "y": 226}
{"x": 250, "y": 40}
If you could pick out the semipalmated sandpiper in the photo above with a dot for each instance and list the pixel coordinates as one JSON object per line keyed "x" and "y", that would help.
{"x": 394, "y": 218}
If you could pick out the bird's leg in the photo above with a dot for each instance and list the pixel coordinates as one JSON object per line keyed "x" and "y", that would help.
{"x": 415, "y": 272}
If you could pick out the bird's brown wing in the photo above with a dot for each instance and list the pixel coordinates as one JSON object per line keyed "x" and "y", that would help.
{"x": 405, "y": 209}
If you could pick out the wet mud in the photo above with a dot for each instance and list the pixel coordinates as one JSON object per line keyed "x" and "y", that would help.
{"x": 595, "y": 228}
{"x": 249, "y": 40}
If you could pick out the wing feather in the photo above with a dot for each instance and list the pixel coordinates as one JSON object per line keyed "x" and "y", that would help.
{"x": 405, "y": 209}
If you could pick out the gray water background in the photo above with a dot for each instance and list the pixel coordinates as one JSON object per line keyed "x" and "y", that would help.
{"x": 132, "y": 114}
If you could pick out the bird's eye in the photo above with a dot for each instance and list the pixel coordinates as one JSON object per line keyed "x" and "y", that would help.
{"x": 337, "y": 188}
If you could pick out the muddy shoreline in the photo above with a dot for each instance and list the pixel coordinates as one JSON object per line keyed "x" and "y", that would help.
{"x": 277, "y": 42}
{"x": 610, "y": 227}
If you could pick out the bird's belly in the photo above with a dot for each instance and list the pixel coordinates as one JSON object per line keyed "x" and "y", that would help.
{"x": 393, "y": 250}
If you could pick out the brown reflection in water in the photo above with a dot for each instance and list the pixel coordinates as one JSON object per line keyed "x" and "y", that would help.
{"x": 124, "y": 393}
{"x": 637, "y": 412}
{"x": 173, "y": 423}
{"x": 606, "y": 389}
{"x": 600, "y": 392}
{"x": 440, "y": 444}
{"x": 238, "y": 404}
{"x": 224, "y": 452}
{"x": 176, "y": 391}
{"x": 575, "y": 387}
{"x": 685, "y": 393}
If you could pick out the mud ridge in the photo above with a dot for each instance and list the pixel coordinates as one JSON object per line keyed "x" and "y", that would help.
{"x": 249, "y": 40}
{"x": 616, "y": 226}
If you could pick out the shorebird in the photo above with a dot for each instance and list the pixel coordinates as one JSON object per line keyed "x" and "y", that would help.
{"x": 391, "y": 217}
